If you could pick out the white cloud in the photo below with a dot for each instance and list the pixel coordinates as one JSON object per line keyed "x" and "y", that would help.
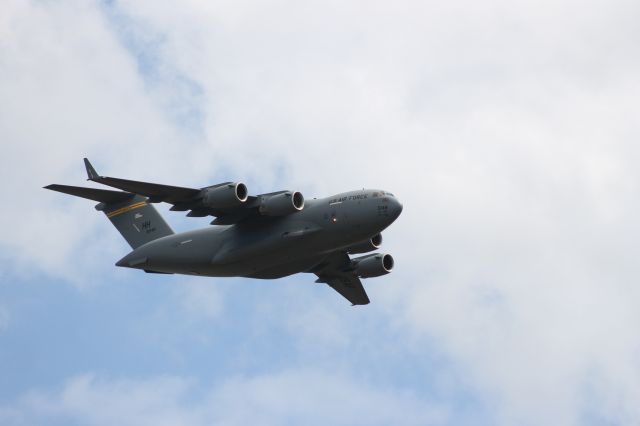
{"x": 508, "y": 129}
{"x": 65, "y": 96}
{"x": 289, "y": 397}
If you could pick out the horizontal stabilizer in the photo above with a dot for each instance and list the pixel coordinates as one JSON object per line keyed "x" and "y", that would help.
{"x": 100, "y": 195}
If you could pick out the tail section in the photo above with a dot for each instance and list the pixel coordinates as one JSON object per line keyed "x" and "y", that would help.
{"x": 137, "y": 220}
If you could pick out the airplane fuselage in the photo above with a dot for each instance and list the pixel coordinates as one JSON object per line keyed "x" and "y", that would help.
{"x": 265, "y": 236}
{"x": 271, "y": 247}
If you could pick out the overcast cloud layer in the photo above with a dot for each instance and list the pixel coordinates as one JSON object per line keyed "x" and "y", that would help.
{"x": 508, "y": 129}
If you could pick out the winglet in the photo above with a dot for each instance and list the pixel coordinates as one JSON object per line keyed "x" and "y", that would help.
{"x": 91, "y": 172}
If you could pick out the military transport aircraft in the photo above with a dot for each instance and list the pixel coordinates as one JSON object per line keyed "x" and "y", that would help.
{"x": 265, "y": 236}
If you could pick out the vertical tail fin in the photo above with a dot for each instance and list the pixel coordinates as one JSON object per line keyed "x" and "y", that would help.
{"x": 138, "y": 221}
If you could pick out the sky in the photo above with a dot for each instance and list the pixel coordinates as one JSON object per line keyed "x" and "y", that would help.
{"x": 508, "y": 129}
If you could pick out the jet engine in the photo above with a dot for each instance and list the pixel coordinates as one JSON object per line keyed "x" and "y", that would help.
{"x": 372, "y": 265}
{"x": 225, "y": 196}
{"x": 371, "y": 244}
{"x": 282, "y": 204}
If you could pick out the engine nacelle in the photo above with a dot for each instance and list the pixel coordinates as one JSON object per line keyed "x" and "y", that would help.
{"x": 372, "y": 265}
{"x": 371, "y": 244}
{"x": 225, "y": 196}
{"x": 282, "y": 204}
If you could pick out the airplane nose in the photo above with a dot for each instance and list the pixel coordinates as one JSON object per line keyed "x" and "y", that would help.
{"x": 396, "y": 208}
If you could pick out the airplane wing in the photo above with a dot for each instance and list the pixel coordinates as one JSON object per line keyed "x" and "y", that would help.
{"x": 183, "y": 199}
{"x": 334, "y": 271}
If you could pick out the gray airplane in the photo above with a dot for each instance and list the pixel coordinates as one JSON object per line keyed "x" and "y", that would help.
{"x": 266, "y": 236}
